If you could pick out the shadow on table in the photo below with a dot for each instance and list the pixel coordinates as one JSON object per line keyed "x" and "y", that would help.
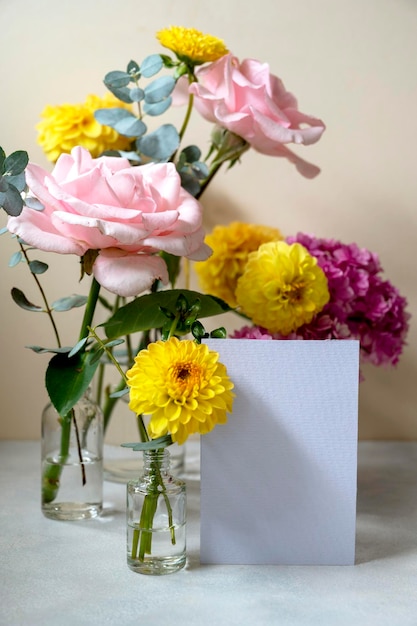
{"x": 387, "y": 507}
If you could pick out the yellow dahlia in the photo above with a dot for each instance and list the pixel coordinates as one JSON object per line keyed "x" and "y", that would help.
{"x": 282, "y": 287}
{"x": 68, "y": 125}
{"x": 231, "y": 247}
{"x": 192, "y": 45}
{"x": 182, "y": 386}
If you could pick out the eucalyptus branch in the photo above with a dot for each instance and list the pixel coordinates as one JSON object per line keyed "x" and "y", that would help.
{"x": 48, "y": 309}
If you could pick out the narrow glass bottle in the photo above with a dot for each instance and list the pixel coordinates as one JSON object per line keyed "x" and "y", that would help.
{"x": 156, "y": 518}
{"x": 72, "y": 461}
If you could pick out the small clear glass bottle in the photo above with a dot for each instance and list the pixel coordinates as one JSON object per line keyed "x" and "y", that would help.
{"x": 156, "y": 517}
{"x": 72, "y": 461}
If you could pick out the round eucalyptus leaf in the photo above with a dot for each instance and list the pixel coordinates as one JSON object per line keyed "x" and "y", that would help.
{"x": 136, "y": 94}
{"x": 38, "y": 267}
{"x": 159, "y": 89}
{"x": 11, "y": 201}
{"x": 151, "y": 65}
{"x": 117, "y": 79}
{"x": 15, "y": 259}
{"x": 158, "y": 108}
{"x": 18, "y": 181}
{"x": 161, "y": 143}
{"x": 16, "y": 162}
{"x": 190, "y": 183}
{"x": 34, "y": 203}
{"x": 122, "y": 93}
{"x": 21, "y": 300}
{"x": 191, "y": 154}
{"x": 69, "y": 302}
{"x": 133, "y": 70}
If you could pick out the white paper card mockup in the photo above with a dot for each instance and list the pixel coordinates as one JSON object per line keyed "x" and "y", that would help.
{"x": 278, "y": 481}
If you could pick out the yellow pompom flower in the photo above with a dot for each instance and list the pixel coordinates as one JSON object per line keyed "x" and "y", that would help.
{"x": 231, "y": 247}
{"x": 182, "y": 386}
{"x": 65, "y": 126}
{"x": 282, "y": 287}
{"x": 192, "y": 45}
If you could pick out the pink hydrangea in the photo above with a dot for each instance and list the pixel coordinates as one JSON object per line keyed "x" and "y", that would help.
{"x": 362, "y": 304}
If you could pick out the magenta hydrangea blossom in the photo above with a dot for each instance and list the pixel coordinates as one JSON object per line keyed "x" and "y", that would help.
{"x": 362, "y": 304}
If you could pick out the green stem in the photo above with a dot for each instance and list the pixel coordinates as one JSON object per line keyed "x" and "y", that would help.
{"x": 213, "y": 171}
{"x": 142, "y": 536}
{"x": 187, "y": 114}
{"x": 90, "y": 308}
{"x": 51, "y": 474}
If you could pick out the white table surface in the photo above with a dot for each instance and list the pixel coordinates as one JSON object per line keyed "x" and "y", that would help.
{"x": 75, "y": 573}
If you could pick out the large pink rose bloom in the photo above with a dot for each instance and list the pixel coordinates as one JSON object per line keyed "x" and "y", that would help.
{"x": 126, "y": 213}
{"x": 252, "y": 103}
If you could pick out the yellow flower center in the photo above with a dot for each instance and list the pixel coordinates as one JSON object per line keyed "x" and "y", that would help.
{"x": 183, "y": 378}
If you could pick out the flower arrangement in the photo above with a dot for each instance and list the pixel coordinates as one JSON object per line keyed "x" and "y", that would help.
{"x": 123, "y": 197}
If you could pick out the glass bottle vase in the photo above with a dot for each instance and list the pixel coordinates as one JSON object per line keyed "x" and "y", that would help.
{"x": 156, "y": 518}
{"x": 72, "y": 461}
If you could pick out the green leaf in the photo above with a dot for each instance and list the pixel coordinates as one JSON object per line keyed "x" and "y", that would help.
{"x": 21, "y": 300}
{"x": 117, "y": 79}
{"x": 200, "y": 170}
{"x": 151, "y": 65}
{"x": 122, "y": 93}
{"x": 18, "y": 181}
{"x": 160, "y": 144}
{"x": 2, "y": 159}
{"x": 133, "y": 70}
{"x": 190, "y": 183}
{"x": 69, "y": 302}
{"x": 153, "y": 444}
{"x": 16, "y": 163}
{"x": 191, "y": 154}
{"x": 137, "y": 94}
{"x": 157, "y": 108}
{"x": 78, "y": 346}
{"x": 11, "y": 201}
{"x": 38, "y": 267}
{"x": 68, "y": 378}
{"x": 41, "y": 350}
{"x": 34, "y": 203}
{"x": 144, "y": 312}
{"x": 173, "y": 264}
{"x": 159, "y": 89}
{"x": 15, "y": 259}
{"x": 121, "y": 120}
{"x": 219, "y": 333}
{"x": 119, "y": 394}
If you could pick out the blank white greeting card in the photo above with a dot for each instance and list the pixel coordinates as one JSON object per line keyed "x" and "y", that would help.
{"x": 278, "y": 481}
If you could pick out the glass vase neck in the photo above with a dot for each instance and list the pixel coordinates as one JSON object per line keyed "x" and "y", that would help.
{"x": 161, "y": 457}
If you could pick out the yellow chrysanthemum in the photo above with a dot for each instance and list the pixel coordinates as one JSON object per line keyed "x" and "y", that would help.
{"x": 282, "y": 287}
{"x": 192, "y": 45}
{"x": 231, "y": 247}
{"x": 68, "y": 125}
{"x": 182, "y": 385}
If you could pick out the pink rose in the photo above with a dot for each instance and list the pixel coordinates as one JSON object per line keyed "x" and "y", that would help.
{"x": 126, "y": 213}
{"x": 252, "y": 103}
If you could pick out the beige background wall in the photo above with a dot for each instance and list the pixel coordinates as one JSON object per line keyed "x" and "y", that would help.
{"x": 351, "y": 62}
